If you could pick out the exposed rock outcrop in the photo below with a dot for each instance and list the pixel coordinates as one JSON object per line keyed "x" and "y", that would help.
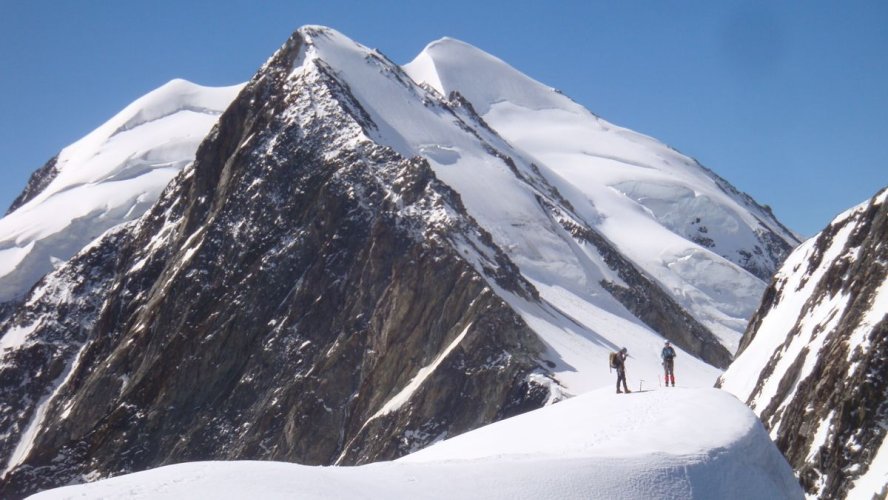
{"x": 36, "y": 183}
{"x": 814, "y": 361}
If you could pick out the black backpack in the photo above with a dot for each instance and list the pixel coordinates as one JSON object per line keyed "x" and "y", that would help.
{"x": 613, "y": 358}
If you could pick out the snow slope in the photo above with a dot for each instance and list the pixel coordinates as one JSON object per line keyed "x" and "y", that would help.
{"x": 667, "y": 444}
{"x": 709, "y": 245}
{"x": 108, "y": 177}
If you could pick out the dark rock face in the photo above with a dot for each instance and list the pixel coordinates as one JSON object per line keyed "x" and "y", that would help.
{"x": 280, "y": 292}
{"x": 830, "y": 407}
{"x": 37, "y": 183}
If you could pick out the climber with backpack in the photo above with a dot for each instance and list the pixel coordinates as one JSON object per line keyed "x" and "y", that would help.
{"x": 668, "y": 355}
{"x": 618, "y": 361}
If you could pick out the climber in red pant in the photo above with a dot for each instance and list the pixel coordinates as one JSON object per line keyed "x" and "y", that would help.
{"x": 668, "y": 355}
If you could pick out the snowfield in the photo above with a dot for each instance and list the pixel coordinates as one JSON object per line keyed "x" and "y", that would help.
{"x": 665, "y": 444}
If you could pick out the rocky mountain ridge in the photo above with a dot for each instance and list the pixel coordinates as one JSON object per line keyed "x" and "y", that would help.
{"x": 814, "y": 362}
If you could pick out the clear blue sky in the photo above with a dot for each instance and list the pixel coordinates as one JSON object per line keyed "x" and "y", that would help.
{"x": 786, "y": 100}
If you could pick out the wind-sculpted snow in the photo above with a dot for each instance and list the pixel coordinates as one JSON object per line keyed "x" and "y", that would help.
{"x": 676, "y": 444}
{"x": 111, "y": 176}
{"x": 813, "y": 362}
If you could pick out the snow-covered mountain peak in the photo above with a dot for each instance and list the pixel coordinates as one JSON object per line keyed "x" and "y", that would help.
{"x": 449, "y": 64}
{"x": 77, "y": 163}
{"x": 110, "y": 176}
{"x": 174, "y": 96}
{"x": 708, "y": 233}
{"x": 390, "y": 107}
{"x": 519, "y": 200}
